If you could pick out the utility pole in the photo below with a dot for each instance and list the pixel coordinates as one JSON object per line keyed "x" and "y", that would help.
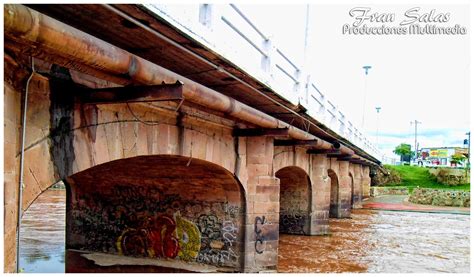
{"x": 416, "y": 134}
{"x": 366, "y": 68}
{"x": 377, "y": 134}
{"x": 306, "y": 33}
{"x": 468, "y": 149}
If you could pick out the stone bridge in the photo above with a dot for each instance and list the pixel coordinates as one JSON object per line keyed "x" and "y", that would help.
{"x": 165, "y": 168}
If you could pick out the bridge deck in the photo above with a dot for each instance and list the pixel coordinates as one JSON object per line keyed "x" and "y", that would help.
{"x": 168, "y": 41}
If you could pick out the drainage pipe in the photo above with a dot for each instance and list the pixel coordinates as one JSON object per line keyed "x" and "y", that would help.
{"x": 22, "y": 166}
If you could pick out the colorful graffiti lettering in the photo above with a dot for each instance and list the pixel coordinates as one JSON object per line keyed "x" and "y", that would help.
{"x": 162, "y": 238}
{"x": 155, "y": 239}
{"x": 189, "y": 238}
{"x": 128, "y": 221}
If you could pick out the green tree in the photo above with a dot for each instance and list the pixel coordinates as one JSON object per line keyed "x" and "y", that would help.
{"x": 457, "y": 158}
{"x": 404, "y": 151}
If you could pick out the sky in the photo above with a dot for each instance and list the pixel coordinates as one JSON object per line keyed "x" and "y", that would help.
{"x": 413, "y": 77}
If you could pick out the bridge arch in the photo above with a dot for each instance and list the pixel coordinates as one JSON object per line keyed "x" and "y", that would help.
{"x": 70, "y": 137}
{"x": 352, "y": 195}
{"x": 159, "y": 207}
{"x": 334, "y": 194}
{"x": 295, "y": 200}
{"x": 65, "y": 138}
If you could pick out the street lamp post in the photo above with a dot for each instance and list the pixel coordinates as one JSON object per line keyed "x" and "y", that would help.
{"x": 366, "y": 68}
{"x": 468, "y": 149}
{"x": 377, "y": 134}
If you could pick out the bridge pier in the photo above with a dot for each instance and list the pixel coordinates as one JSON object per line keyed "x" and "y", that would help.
{"x": 357, "y": 186}
{"x": 262, "y": 218}
{"x": 365, "y": 173}
{"x": 320, "y": 195}
{"x": 345, "y": 191}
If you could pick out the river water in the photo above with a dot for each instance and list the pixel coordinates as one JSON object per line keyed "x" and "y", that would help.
{"x": 371, "y": 241}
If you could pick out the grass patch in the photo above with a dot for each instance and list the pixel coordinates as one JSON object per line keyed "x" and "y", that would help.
{"x": 414, "y": 176}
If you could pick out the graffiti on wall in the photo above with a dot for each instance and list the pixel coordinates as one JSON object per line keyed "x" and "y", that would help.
{"x": 259, "y": 222}
{"x": 294, "y": 210}
{"x": 162, "y": 237}
{"x": 218, "y": 239}
{"x": 145, "y": 222}
{"x": 293, "y": 223}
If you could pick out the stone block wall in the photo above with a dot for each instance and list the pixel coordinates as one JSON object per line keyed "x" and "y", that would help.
{"x": 11, "y": 163}
{"x": 365, "y": 182}
{"x": 440, "y": 197}
{"x": 345, "y": 190}
{"x": 376, "y": 191}
{"x": 451, "y": 176}
{"x": 355, "y": 170}
{"x": 321, "y": 194}
{"x": 69, "y": 138}
{"x": 263, "y": 206}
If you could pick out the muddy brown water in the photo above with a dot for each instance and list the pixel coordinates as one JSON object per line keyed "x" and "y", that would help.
{"x": 42, "y": 234}
{"x": 371, "y": 241}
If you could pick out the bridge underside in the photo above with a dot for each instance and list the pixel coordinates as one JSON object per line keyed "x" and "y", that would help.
{"x": 161, "y": 207}
{"x": 162, "y": 185}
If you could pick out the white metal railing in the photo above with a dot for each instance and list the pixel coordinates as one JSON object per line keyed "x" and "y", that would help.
{"x": 228, "y": 31}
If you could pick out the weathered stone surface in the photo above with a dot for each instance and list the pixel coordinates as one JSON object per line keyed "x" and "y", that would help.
{"x": 440, "y": 197}
{"x": 451, "y": 176}
{"x": 386, "y": 176}
{"x": 100, "y": 148}
{"x": 376, "y": 191}
{"x": 295, "y": 200}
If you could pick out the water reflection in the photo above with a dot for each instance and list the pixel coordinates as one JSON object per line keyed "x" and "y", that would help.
{"x": 42, "y": 234}
{"x": 379, "y": 241}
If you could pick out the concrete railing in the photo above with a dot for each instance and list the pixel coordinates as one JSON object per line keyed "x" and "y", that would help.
{"x": 228, "y": 31}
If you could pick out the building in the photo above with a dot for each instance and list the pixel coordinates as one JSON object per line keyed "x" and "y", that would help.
{"x": 441, "y": 156}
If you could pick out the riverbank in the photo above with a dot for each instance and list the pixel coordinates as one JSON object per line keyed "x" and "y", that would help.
{"x": 400, "y": 203}
{"x": 412, "y": 177}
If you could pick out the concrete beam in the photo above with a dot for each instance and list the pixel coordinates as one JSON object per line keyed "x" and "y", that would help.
{"x": 293, "y": 142}
{"x": 163, "y": 92}
{"x": 324, "y": 151}
{"x": 344, "y": 157}
{"x": 339, "y": 156}
{"x": 258, "y": 132}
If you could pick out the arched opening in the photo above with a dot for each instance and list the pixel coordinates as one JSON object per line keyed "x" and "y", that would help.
{"x": 334, "y": 199}
{"x": 353, "y": 196}
{"x": 295, "y": 200}
{"x": 147, "y": 213}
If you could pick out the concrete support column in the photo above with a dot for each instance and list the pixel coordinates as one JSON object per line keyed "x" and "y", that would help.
{"x": 345, "y": 194}
{"x": 320, "y": 195}
{"x": 365, "y": 182}
{"x": 263, "y": 196}
{"x": 357, "y": 192}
